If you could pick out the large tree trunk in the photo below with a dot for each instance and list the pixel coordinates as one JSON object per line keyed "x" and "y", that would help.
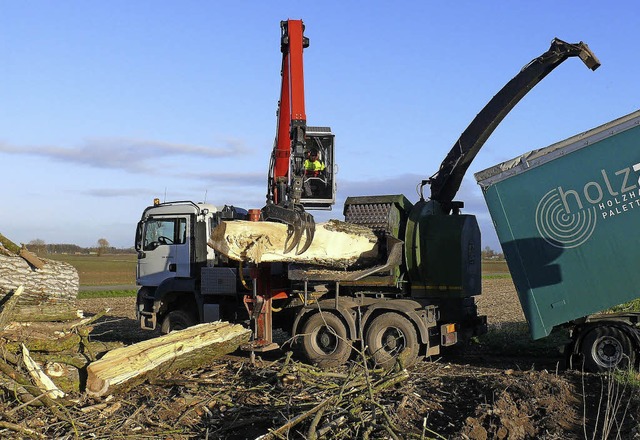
{"x": 335, "y": 244}
{"x": 189, "y": 348}
{"x": 49, "y": 293}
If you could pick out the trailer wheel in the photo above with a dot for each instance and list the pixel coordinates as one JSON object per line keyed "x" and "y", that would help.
{"x": 177, "y": 320}
{"x": 605, "y": 348}
{"x": 325, "y": 341}
{"x": 389, "y": 336}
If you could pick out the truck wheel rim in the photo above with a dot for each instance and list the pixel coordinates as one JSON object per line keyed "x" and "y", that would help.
{"x": 393, "y": 340}
{"x": 607, "y": 351}
{"x": 325, "y": 340}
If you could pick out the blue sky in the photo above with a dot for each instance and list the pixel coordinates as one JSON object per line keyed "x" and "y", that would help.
{"x": 106, "y": 105}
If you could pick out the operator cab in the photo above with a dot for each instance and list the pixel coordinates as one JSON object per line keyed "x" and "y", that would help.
{"x": 319, "y": 184}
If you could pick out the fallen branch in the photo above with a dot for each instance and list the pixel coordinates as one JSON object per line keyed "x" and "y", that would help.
{"x": 21, "y": 429}
{"x": 20, "y": 379}
{"x": 42, "y": 381}
{"x": 296, "y": 420}
{"x": 31, "y": 258}
{"x": 393, "y": 380}
{"x": 9, "y": 245}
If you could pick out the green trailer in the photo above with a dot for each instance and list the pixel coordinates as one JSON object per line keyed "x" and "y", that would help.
{"x": 566, "y": 216}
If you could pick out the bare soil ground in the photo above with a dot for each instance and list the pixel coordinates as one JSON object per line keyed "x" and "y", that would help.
{"x": 491, "y": 391}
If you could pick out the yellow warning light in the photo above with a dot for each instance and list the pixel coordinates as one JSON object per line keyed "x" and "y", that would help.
{"x": 156, "y": 201}
{"x": 450, "y": 328}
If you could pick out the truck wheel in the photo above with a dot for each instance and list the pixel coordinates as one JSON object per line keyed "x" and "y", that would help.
{"x": 605, "y": 348}
{"x": 177, "y": 320}
{"x": 325, "y": 341}
{"x": 391, "y": 335}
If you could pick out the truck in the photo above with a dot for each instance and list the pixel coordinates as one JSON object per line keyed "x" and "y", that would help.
{"x": 184, "y": 282}
{"x": 419, "y": 296}
{"x": 565, "y": 216}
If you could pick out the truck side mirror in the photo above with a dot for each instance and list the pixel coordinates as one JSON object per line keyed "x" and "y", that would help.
{"x": 138, "y": 240}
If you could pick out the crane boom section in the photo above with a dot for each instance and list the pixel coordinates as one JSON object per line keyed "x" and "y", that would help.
{"x": 282, "y": 153}
{"x": 296, "y": 71}
{"x": 291, "y": 113}
{"x": 446, "y": 182}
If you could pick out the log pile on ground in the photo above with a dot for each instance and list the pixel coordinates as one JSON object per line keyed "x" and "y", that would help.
{"x": 335, "y": 244}
{"x": 61, "y": 350}
{"x": 48, "y": 357}
{"x": 56, "y": 368}
{"x": 63, "y": 358}
{"x": 43, "y": 339}
{"x": 50, "y": 287}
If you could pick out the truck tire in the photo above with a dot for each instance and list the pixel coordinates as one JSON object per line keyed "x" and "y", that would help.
{"x": 605, "y": 348}
{"x": 325, "y": 341}
{"x": 391, "y": 335}
{"x": 177, "y": 320}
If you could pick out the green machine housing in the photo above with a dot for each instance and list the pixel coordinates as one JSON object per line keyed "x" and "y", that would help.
{"x": 567, "y": 218}
{"x": 440, "y": 259}
{"x": 441, "y": 252}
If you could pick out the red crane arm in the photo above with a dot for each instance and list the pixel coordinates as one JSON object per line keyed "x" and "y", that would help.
{"x": 291, "y": 112}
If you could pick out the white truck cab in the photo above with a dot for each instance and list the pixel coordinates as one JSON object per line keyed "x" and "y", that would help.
{"x": 171, "y": 240}
{"x": 164, "y": 240}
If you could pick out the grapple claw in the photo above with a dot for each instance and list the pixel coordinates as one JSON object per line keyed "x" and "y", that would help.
{"x": 298, "y": 223}
{"x": 309, "y": 227}
{"x": 294, "y": 234}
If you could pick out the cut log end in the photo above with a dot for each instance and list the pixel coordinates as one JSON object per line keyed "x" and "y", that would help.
{"x": 97, "y": 387}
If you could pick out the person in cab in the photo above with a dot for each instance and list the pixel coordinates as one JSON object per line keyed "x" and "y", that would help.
{"x": 313, "y": 166}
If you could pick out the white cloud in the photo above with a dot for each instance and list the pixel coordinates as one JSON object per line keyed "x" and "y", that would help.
{"x": 116, "y": 192}
{"x": 132, "y": 155}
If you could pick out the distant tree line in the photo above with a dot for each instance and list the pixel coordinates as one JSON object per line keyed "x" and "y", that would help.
{"x": 489, "y": 254}
{"x": 102, "y": 247}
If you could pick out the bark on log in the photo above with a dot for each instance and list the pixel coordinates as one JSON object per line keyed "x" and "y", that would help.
{"x": 9, "y": 246}
{"x": 190, "y": 348}
{"x": 335, "y": 244}
{"x": 46, "y": 312}
{"x": 31, "y": 258}
{"x": 49, "y": 293}
{"x": 9, "y": 306}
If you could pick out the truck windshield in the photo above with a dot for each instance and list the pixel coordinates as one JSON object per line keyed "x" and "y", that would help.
{"x": 160, "y": 232}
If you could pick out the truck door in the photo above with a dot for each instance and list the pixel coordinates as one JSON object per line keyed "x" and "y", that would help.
{"x": 165, "y": 250}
